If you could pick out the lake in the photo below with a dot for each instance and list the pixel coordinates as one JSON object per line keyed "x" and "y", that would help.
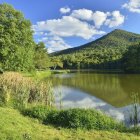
{"x": 110, "y": 93}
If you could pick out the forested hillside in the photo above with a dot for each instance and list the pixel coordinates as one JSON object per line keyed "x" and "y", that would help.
{"x": 104, "y": 53}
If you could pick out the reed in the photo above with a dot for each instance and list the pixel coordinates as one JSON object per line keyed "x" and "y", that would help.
{"x": 20, "y": 91}
{"x": 134, "y": 117}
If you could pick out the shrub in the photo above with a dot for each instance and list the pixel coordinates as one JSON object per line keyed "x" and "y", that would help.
{"x": 39, "y": 112}
{"x": 74, "y": 118}
{"x": 83, "y": 119}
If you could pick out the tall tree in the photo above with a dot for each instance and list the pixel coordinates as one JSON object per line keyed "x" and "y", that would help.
{"x": 41, "y": 56}
{"x": 16, "y": 40}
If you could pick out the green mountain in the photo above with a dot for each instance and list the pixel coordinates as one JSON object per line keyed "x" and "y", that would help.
{"x": 105, "y": 52}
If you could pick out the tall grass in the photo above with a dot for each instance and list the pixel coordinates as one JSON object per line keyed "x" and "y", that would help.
{"x": 134, "y": 117}
{"x": 18, "y": 91}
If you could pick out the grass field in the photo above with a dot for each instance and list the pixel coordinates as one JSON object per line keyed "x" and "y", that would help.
{"x": 14, "y": 126}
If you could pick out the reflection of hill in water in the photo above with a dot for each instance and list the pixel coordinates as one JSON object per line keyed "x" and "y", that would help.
{"x": 114, "y": 89}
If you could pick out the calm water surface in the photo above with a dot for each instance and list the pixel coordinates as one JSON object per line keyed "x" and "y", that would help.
{"x": 110, "y": 93}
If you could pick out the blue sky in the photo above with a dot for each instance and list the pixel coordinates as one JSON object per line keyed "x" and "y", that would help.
{"x": 62, "y": 24}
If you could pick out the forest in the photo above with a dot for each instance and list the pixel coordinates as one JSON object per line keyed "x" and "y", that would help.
{"x": 116, "y": 50}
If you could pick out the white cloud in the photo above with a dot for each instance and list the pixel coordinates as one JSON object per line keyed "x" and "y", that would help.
{"x": 133, "y": 6}
{"x": 68, "y": 26}
{"x": 77, "y": 23}
{"x": 99, "y": 18}
{"x": 82, "y": 23}
{"x": 83, "y": 14}
{"x": 65, "y": 10}
{"x": 115, "y": 20}
{"x": 54, "y": 43}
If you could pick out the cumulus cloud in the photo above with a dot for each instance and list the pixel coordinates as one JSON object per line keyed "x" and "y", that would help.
{"x": 99, "y": 18}
{"x": 83, "y": 14}
{"x": 133, "y": 6}
{"x": 68, "y": 26}
{"x": 65, "y": 10}
{"x": 115, "y": 20}
{"x": 54, "y": 43}
{"x": 82, "y": 23}
{"x": 76, "y": 24}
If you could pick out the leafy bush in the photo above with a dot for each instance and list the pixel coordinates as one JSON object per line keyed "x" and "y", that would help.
{"x": 74, "y": 118}
{"x": 83, "y": 119}
{"x": 39, "y": 112}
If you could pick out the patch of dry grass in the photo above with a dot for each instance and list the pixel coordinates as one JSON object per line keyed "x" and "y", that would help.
{"x": 20, "y": 91}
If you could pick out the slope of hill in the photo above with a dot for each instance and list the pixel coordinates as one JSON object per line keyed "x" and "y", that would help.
{"x": 105, "y": 52}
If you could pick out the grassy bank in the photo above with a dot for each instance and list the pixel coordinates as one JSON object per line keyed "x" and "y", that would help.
{"x": 44, "y": 74}
{"x": 13, "y": 126}
{"x": 37, "y": 74}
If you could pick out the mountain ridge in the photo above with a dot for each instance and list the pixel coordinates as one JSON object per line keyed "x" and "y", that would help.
{"x": 104, "y": 53}
{"x": 116, "y": 31}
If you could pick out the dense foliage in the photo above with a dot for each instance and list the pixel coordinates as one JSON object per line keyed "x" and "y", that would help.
{"x": 18, "y": 51}
{"x": 41, "y": 56}
{"x": 74, "y": 118}
{"x": 38, "y": 112}
{"x": 82, "y": 118}
{"x": 16, "y": 40}
{"x": 104, "y": 53}
{"x": 132, "y": 59}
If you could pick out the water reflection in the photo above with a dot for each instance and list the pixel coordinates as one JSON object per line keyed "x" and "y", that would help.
{"x": 115, "y": 89}
{"x": 82, "y": 100}
{"x": 110, "y": 93}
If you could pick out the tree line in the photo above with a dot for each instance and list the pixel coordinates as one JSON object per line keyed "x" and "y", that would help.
{"x": 127, "y": 59}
